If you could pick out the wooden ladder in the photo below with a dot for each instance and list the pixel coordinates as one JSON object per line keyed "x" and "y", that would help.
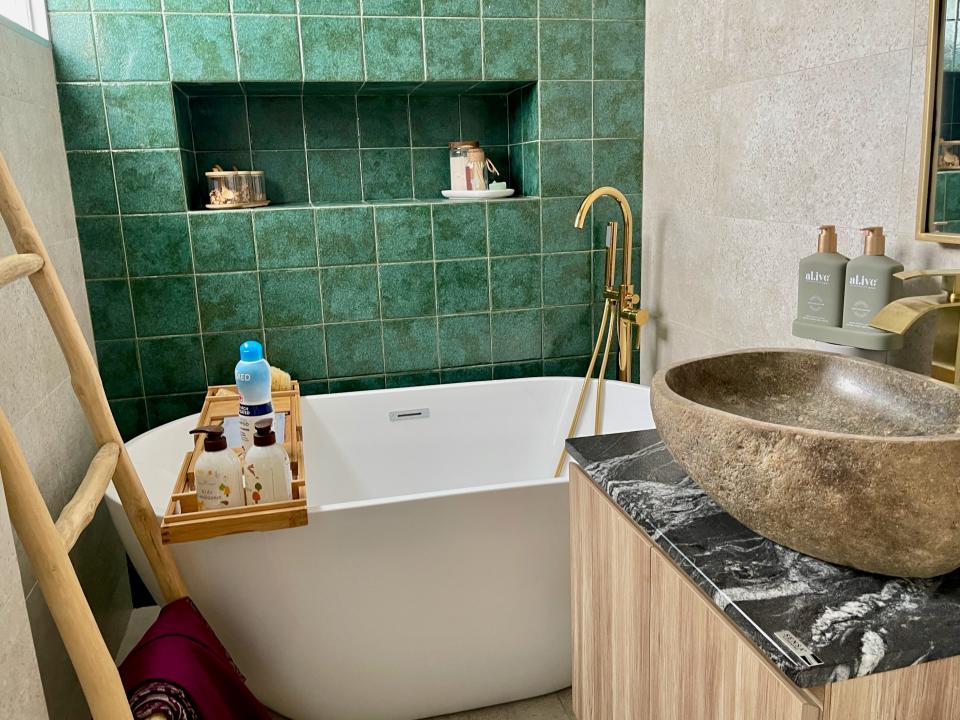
{"x": 47, "y": 543}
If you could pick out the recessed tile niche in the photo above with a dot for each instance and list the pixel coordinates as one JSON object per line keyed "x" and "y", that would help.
{"x": 322, "y": 143}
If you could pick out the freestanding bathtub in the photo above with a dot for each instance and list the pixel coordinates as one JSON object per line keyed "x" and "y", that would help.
{"x": 433, "y": 575}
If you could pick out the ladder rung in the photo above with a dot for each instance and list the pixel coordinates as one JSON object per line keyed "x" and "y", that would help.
{"x": 78, "y": 513}
{"x": 14, "y": 267}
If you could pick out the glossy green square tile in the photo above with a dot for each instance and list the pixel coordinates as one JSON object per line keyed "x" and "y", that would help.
{"x": 357, "y": 384}
{"x": 229, "y": 301}
{"x": 407, "y": 290}
{"x": 119, "y": 368}
{"x": 462, "y": 286}
{"x": 331, "y": 121}
{"x": 130, "y": 416}
{"x": 559, "y": 234}
{"x": 383, "y": 121}
{"x": 197, "y": 6}
{"x": 131, "y": 47}
{"x": 453, "y": 49}
{"x": 223, "y": 241}
{"x": 510, "y": 49}
{"x": 509, "y": 371}
{"x": 110, "y": 309}
{"x": 219, "y": 123}
{"x": 619, "y": 9}
{"x": 346, "y": 236}
{"x": 410, "y": 345}
{"x": 566, "y": 278}
{"x": 181, "y": 113}
{"x": 164, "y": 305}
{"x": 464, "y": 340}
{"x": 485, "y": 119}
{"x": 618, "y": 163}
{"x": 566, "y": 331}
{"x": 300, "y": 351}
{"x": 566, "y": 367}
{"x": 221, "y": 351}
{"x": 566, "y": 167}
{"x": 386, "y": 174}
{"x": 315, "y": 387}
{"x": 329, "y": 7}
{"x": 434, "y": 120}
{"x": 516, "y": 335}
{"x": 509, "y": 8}
{"x": 618, "y": 51}
{"x": 149, "y": 181}
{"x": 530, "y": 112}
{"x": 618, "y": 109}
{"x": 391, "y": 7}
{"x": 74, "y": 53}
{"x": 334, "y": 175}
{"x": 290, "y": 297}
{"x": 67, "y": 5}
{"x": 81, "y": 115}
{"x": 515, "y": 282}
{"x": 566, "y": 8}
{"x": 459, "y": 230}
{"x": 285, "y": 238}
{"x": 479, "y": 373}
{"x": 331, "y": 48}
{"x": 565, "y": 47}
{"x": 451, "y": 8}
{"x": 157, "y": 244}
{"x": 413, "y": 379}
{"x": 163, "y": 409}
{"x": 172, "y": 365}
{"x": 393, "y": 49}
{"x": 101, "y": 246}
{"x": 140, "y": 115}
{"x": 201, "y": 48}
{"x": 268, "y": 47}
{"x": 531, "y": 169}
{"x": 565, "y": 110}
{"x": 514, "y": 227}
{"x": 515, "y": 180}
{"x": 286, "y": 174}
{"x": 354, "y": 349}
{"x": 350, "y": 293}
{"x": 91, "y": 183}
{"x": 265, "y": 7}
{"x": 109, "y": 5}
{"x": 431, "y": 172}
{"x": 404, "y": 233}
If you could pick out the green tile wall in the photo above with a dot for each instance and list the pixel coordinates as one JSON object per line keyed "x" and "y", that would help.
{"x": 359, "y": 277}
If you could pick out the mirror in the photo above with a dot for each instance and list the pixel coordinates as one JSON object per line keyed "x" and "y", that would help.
{"x": 938, "y": 211}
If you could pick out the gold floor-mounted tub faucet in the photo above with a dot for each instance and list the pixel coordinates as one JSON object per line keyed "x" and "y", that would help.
{"x": 620, "y": 309}
{"x": 900, "y": 315}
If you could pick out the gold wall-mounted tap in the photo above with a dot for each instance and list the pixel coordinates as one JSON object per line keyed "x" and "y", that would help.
{"x": 900, "y": 315}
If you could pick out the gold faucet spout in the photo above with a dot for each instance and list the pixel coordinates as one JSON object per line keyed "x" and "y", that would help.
{"x": 624, "y": 204}
{"x": 901, "y": 315}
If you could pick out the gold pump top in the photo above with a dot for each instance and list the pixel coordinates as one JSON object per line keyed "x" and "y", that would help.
{"x": 827, "y": 242}
{"x": 874, "y": 242}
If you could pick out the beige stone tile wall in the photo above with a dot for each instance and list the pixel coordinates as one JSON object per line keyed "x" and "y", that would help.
{"x": 36, "y": 396}
{"x": 763, "y": 120}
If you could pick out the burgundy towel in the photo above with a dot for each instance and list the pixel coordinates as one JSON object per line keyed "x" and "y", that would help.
{"x": 180, "y": 669}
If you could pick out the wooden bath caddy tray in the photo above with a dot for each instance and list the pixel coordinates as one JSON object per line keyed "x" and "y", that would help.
{"x": 184, "y": 521}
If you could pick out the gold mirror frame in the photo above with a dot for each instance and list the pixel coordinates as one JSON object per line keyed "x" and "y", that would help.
{"x": 931, "y": 112}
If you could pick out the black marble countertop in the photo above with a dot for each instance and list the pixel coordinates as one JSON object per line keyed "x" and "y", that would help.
{"x": 854, "y": 622}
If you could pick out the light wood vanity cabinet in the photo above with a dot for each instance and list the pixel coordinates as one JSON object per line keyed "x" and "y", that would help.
{"x": 648, "y": 644}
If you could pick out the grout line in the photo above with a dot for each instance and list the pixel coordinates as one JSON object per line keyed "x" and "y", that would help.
{"x": 376, "y": 260}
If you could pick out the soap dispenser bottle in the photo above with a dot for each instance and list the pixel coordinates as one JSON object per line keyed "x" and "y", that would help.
{"x": 217, "y": 475}
{"x": 269, "y": 478}
{"x": 870, "y": 283}
{"x": 821, "y": 282}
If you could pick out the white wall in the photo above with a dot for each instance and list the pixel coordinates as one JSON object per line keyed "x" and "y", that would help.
{"x": 763, "y": 120}
{"x": 36, "y": 396}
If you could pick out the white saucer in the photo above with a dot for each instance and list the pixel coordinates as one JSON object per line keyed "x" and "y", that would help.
{"x": 476, "y": 194}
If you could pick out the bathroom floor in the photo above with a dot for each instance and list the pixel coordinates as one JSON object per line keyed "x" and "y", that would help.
{"x": 555, "y": 706}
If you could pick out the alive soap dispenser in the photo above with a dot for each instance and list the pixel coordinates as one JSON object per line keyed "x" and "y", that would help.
{"x": 820, "y": 287}
{"x": 870, "y": 283}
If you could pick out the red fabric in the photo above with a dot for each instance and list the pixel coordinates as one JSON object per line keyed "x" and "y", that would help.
{"x": 180, "y": 649}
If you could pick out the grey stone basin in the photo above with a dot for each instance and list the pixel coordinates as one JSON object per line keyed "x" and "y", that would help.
{"x": 844, "y": 459}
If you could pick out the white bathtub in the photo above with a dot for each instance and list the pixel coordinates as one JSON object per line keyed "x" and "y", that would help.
{"x": 434, "y": 573}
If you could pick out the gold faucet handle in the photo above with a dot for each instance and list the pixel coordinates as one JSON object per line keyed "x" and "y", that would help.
{"x": 951, "y": 279}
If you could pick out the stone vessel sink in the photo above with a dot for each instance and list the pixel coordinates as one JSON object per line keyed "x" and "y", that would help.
{"x": 844, "y": 459}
